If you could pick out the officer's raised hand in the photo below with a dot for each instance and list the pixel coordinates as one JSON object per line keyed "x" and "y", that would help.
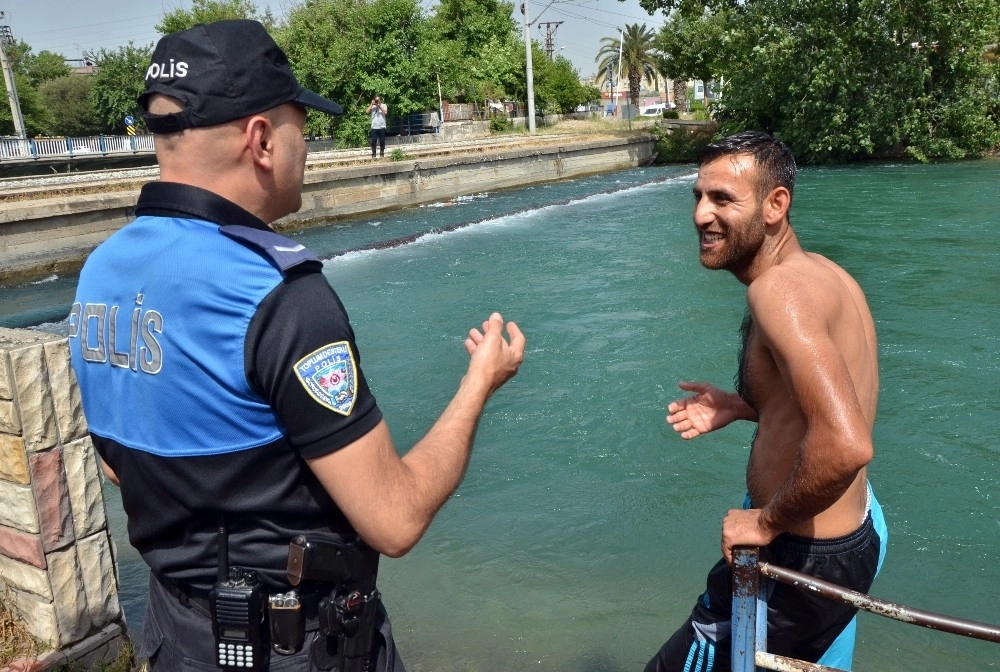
{"x": 391, "y": 500}
{"x": 495, "y": 359}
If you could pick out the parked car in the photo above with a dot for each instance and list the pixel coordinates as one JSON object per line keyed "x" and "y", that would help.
{"x": 653, "y": 110}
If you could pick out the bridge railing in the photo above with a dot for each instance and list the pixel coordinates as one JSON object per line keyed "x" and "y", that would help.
{"x": 39, "y": 148}
{"x": 749, "y": 633}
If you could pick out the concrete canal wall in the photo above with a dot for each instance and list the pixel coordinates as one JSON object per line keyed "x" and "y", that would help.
{"x": 46, "y": 235}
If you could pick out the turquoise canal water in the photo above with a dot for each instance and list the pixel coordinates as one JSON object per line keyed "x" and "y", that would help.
{"x": 583, "y": 530}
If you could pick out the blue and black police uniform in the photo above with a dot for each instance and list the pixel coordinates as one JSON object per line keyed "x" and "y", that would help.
{"x": 213, "y": 359}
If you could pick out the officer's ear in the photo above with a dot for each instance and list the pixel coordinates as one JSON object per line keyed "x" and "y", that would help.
{"x": 259, "y": 137}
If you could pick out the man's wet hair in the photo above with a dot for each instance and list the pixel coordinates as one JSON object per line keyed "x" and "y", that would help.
{"x": 773, "y": 158}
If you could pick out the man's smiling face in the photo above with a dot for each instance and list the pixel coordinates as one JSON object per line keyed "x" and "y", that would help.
{"x": 728, "y": 213}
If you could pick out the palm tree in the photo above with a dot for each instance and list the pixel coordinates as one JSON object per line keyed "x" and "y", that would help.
{"x": 637, "y": 56}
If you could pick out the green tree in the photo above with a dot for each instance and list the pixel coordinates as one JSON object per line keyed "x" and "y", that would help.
{"x": 638, "y": 58}
{"x": 68, "y": 100}
{"x": 349, "y": 50}
{"x": 690, "y": 6}
{"x": 33, "y": 111}
{"x": 475, "y": 45}
{"x": 472, "y": 23}
{"x": 840, "y": 81}
{"x": 557, "y": 84}
{"x": 954, "y": 113}
{"x": 44, "y": 66}
{"x": 35, "y": 115}
{"x": 680, "y": 55}
{"x": 118, "y": 84}
{"x": 208, "y": 11}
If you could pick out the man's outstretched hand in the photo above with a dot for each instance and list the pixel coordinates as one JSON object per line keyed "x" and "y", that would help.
{"x": 710, "y": 408}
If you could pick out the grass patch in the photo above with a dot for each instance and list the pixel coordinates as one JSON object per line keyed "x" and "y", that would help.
{"x": 15, "y": 640}
{"x": 124, "y": 661}
{"x": 398, "y": 155}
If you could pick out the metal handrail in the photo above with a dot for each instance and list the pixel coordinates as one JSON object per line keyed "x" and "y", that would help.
{"x": 750, "y": 613}
{"x": 102, "y": 145}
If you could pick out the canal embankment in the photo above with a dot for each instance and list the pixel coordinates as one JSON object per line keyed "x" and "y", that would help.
{"x": 51, "y": 227}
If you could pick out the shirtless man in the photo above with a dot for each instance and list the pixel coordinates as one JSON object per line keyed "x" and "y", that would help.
{"x": 808, "y": 377}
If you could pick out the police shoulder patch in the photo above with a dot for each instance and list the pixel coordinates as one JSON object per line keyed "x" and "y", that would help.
{"x": 329, "y": 375}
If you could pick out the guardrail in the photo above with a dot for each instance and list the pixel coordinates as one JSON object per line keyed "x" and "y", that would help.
{"x": 27, "y": 149}
{"x": 22, "y": 149}
{"x": 749, "y": 633}
{"x": 417, "y": 123}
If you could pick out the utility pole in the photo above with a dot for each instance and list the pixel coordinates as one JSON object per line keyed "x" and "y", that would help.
{"x": 7, "y": 38}
{"x": 621, "y": 44}
{"x": 550, "y": 33}
{"x": 440, "y": 104}
{"x": 530, "y": 75}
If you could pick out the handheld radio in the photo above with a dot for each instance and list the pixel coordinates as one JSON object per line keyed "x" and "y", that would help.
{"x": 236, "y": 603}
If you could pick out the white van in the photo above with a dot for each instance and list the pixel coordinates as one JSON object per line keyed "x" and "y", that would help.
{"x": 653, "y": 110}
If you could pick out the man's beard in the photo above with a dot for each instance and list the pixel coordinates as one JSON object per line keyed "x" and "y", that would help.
{"x": 741, "y": 245}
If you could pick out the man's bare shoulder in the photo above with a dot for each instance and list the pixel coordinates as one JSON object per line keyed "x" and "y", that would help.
{"x": 837, "y": 270}
{"x": 801, "y": 293}
{"x": 809, "y": 291}
{"x": 795, "y": 279}
{"x": 802, "y": 273}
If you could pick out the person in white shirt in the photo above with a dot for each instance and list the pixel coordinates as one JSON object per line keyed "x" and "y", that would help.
{"x": 377, "y": 111}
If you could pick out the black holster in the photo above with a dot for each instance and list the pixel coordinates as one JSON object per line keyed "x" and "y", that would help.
{"x": 348, "y": 613}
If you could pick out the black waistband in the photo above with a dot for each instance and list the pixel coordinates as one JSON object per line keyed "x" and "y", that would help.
{"x": 198, "y": 600}
{"x": 827, "y": 546}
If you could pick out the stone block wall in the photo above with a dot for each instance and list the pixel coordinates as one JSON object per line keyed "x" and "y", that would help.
{"x": 57, "y": 557}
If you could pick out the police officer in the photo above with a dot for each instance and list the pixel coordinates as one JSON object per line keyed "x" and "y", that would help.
{"x": 219, "y": 372}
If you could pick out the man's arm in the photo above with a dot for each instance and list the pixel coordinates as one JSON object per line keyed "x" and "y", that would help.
{"x": 390, "y": 500}
{"x": 837, "y": 443}
{"x": 709, "y": 409}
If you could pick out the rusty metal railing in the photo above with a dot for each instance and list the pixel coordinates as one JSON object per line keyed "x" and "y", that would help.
{"x": 749, "y": 633}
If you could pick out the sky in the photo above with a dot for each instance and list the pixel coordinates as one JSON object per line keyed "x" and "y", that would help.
{"x": 72, "y": 27}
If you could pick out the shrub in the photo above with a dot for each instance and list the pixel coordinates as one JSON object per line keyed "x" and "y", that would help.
{"x": 353, "y": 130}
{"x": 671, "y": 114}
{"x": 681, "y": 145}
{"x": 501, "y": 125}
{"x": 397, "y": 154}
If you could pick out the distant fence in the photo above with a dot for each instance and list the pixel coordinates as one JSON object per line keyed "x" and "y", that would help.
{"x": 477, "y": 112}
{"x": 21, "y": 150}
{"x": 412, "y": 124}
{"x": 38, "y": 148}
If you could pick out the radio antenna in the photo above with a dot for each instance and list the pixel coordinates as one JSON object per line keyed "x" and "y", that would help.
{"x": 223, "y": 549}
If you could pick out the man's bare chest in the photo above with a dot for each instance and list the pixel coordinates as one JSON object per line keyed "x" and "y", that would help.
{"x": 758, "y": 378}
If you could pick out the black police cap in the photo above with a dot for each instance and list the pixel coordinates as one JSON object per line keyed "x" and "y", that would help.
{"x": 222, "y": 71}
